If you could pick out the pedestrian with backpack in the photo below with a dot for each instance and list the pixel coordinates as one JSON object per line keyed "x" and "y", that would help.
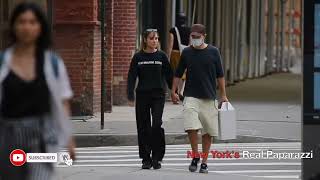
{"x": 34, "y": 96}
{"x": 179, "y": 38}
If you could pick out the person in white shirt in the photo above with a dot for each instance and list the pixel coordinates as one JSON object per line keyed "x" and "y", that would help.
{"x": 34, "y": 96}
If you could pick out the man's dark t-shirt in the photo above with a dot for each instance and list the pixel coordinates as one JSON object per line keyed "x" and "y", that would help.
{"x": 203, "y": 67}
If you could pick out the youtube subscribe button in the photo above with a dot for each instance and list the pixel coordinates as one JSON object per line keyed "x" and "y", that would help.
{"x": 42, "y": 157}
{"x": 18, "y": 157}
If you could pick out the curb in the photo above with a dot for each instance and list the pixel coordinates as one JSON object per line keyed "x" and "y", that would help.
{"x": 94, "y": 140}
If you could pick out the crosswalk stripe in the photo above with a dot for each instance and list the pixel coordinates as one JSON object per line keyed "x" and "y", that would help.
{"x": 183, "y": 156}
{"x": 259, "y": 171}
{"x": 213, "y": 147}
{"x": 222, "y": 172}
{"x": 247, "y": 171}
{"x": 219, "y": 148}
{"x": 209, "y": 164}
{"x": 167, "y": 150}
{"x": 79, "y": 160}
{"x": 187, "y": 164}
{"x": 280, "y": 177}
{"x": 288, "y": 145}
{"x": 188, "y": 146}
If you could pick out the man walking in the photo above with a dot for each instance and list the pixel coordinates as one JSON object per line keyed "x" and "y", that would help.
{"x": 204, "y": 68}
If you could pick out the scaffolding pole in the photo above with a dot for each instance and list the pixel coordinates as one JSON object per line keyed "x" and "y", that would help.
{"x": 282, "y": 38}
{"x": 278, "y": 60}
{"x": 262, "y": 42}
{"x": 270, "y": 40}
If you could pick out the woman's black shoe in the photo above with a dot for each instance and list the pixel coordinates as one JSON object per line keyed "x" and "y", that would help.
{"x": 156, "y": 165}
{"x": 146, "y": 165}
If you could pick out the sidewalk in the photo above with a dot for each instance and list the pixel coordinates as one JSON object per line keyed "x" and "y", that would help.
{"x": 268, "y": 110}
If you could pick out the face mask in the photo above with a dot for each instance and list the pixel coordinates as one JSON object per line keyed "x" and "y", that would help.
{"x": 197, "y": 42}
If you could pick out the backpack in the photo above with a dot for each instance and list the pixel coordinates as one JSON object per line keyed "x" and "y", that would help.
{"x": 54, "y": 62}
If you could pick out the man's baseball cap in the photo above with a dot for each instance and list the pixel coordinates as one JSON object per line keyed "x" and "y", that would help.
{"x": 197, "y": 29}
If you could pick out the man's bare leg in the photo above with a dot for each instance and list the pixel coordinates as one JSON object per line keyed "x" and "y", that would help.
{"x": 206, "y": 144}
{"x": 193, "y": 138}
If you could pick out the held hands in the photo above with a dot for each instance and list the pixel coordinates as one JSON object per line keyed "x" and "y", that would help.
{"x": 175, "y": 97}
{"x": 131, "y": 103}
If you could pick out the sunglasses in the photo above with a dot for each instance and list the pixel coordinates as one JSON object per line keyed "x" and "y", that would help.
{"x": 151, "y": 30}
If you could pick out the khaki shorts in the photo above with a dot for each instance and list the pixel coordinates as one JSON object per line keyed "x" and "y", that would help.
{"x": 201, "y": 114}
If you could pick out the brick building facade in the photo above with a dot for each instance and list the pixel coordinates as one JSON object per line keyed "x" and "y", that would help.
{"x": 77, "y": 39}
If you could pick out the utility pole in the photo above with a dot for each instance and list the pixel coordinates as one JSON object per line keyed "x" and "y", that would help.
{"x": 103, "y": 60}
{"x": 270, "y": 49}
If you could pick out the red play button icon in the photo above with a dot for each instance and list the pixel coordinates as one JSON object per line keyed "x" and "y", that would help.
{"x": 18, "y": 157}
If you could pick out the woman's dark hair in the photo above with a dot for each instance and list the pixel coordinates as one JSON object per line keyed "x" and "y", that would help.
{"x": 44, "y": 41}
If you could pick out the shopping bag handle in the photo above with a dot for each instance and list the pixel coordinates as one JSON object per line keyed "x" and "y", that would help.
{"x": 226, "y": 105}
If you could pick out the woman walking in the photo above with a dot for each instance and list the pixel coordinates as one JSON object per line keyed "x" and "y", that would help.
{"x": 151, "y": 66}
{"x": 179, "y": 38}
{"x": 34, "y": 96}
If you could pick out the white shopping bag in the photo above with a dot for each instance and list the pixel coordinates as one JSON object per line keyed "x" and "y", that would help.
{"x": 227, "y": 122}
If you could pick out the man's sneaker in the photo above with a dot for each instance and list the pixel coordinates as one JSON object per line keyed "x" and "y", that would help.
{"x": 146, "y": 165}
{"x": 156, "y": 164}
{"x": 194, "y": 164}
{"x": 203, "y": 168}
